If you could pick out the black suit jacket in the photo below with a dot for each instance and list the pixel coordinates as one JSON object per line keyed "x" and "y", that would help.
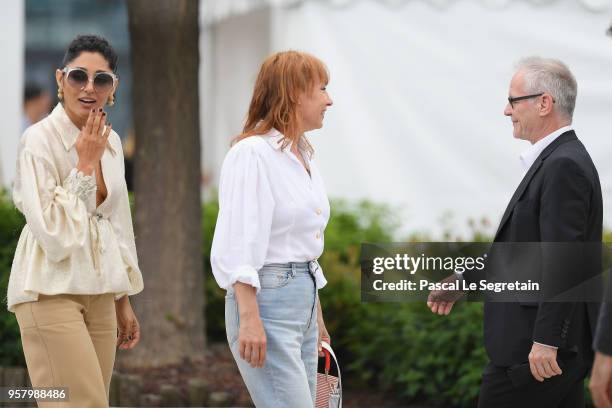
{"x": 558, "y": 200}
{"x": 603, "y": 339}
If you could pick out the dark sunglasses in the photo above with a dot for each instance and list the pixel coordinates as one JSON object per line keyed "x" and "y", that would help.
{"x": 512, "y": 100}
{"x": 79, "y": 78}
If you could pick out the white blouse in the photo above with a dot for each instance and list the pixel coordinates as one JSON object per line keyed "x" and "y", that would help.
{"x": 270, "y": 211}
{"x": 68, "y": 245}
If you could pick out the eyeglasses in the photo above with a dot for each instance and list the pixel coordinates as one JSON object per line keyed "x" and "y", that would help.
{"x": 79, "y": 78}
{"x": 512, "y": 100}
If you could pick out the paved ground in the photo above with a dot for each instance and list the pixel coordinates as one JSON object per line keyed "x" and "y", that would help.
{"x": 219, "y": 370}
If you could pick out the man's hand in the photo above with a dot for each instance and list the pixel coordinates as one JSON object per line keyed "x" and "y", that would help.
{"x": 441, "y": 301}
{"x": 543, "y": 362}
{"x": 601, "y": 381}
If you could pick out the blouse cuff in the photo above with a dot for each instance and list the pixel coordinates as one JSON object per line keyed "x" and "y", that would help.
{"x": 245, "y": 274}
{"x": 120, "y": 295}
{"x": 80, "y": 184}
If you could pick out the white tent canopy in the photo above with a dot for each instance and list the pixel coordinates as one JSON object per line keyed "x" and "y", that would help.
{"x": 419, "y": 89}
{"x": 214, "y": 11}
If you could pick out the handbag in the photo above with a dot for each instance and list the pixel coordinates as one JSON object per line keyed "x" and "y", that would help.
{"x": 329, "y": 388}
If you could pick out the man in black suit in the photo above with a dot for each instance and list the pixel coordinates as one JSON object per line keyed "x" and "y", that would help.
{"x": 540, "y": 352}
{"x": 601, "y": 376}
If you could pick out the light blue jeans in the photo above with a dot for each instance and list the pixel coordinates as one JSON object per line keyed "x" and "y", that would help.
{"x": 287, "y": 306}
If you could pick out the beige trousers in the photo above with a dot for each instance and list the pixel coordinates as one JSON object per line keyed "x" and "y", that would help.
{"x": 70, "y": 341}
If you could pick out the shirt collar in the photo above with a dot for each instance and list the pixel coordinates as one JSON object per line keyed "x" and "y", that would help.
{"x": 531, "y": 154}
{"x": 275, "y": 139}
{"x": 67, "y": 130}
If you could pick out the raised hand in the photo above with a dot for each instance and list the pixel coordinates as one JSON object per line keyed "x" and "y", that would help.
{"x": 441, "y": 301}
{"x": 92, "y": 140}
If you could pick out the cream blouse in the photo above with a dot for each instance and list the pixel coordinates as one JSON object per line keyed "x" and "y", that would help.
{"x": 69, "y": 245}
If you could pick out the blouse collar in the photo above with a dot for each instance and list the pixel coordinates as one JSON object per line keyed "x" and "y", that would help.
{"x": 67, "y": 129}
{"x": 275, "y": 139}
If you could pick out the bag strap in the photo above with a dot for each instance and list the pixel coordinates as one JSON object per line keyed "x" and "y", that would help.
{"x": 325, "y": 345}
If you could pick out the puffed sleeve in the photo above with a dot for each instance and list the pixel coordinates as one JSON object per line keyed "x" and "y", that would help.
{"x": 57, "y": 214}
{"x": 246, "y": 206}
{"x": 121, "y": 220}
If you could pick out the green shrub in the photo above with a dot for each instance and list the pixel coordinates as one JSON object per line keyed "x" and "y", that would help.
{"x": 215, "y": 296}
{"x": 421, "y": 356}
{"x": 402, "y": 348}
{"x": 350, "y": 225}
{"x": 11, "y": 223}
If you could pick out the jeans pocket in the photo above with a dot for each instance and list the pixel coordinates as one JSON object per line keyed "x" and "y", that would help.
{"x": 269, "y": 279}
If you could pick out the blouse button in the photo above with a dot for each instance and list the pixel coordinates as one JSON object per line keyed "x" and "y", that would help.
{"x": 318, "y": 235}
{"x": 319, "y": 211}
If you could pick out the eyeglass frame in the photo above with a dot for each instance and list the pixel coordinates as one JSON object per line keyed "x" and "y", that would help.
{"x": 90, "y": 79}
{"x": 512, "y": 100}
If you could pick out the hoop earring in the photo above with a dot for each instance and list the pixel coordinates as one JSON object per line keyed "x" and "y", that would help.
{"x": 111, "y": 100}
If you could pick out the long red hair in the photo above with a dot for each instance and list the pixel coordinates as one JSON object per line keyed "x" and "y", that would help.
{"x": 282, "y": 78}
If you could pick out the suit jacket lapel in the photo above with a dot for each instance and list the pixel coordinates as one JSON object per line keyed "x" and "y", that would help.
{"x": 565, "y": 137}
{"x": 519, "y": 192}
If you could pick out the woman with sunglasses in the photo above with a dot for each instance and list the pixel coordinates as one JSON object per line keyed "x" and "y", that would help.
{"x": 76, "y": 260}
{"x": 273, "y": 210}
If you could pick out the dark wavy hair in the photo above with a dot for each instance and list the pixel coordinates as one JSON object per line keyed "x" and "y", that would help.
{"x": 91, "y": 43}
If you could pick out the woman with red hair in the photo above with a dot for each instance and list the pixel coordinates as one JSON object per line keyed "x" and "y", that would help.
{"x": 273, "y": 210}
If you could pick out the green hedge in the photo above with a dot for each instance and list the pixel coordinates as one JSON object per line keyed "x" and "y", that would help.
{"x": 11, "y": 223}
{"x": 401, "y": 348}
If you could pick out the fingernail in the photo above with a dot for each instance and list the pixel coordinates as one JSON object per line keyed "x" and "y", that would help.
{"x": 104, "y": 114}
{"x": 99, "y": 109}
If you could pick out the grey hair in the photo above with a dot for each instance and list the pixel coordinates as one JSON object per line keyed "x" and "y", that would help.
{"x": 551, "y": 76}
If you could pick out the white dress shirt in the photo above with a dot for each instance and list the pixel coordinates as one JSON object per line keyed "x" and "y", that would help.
{"x": 531, "y": 154}
{"x": 68, "y": 245}
{"x": 270, "y": 211}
